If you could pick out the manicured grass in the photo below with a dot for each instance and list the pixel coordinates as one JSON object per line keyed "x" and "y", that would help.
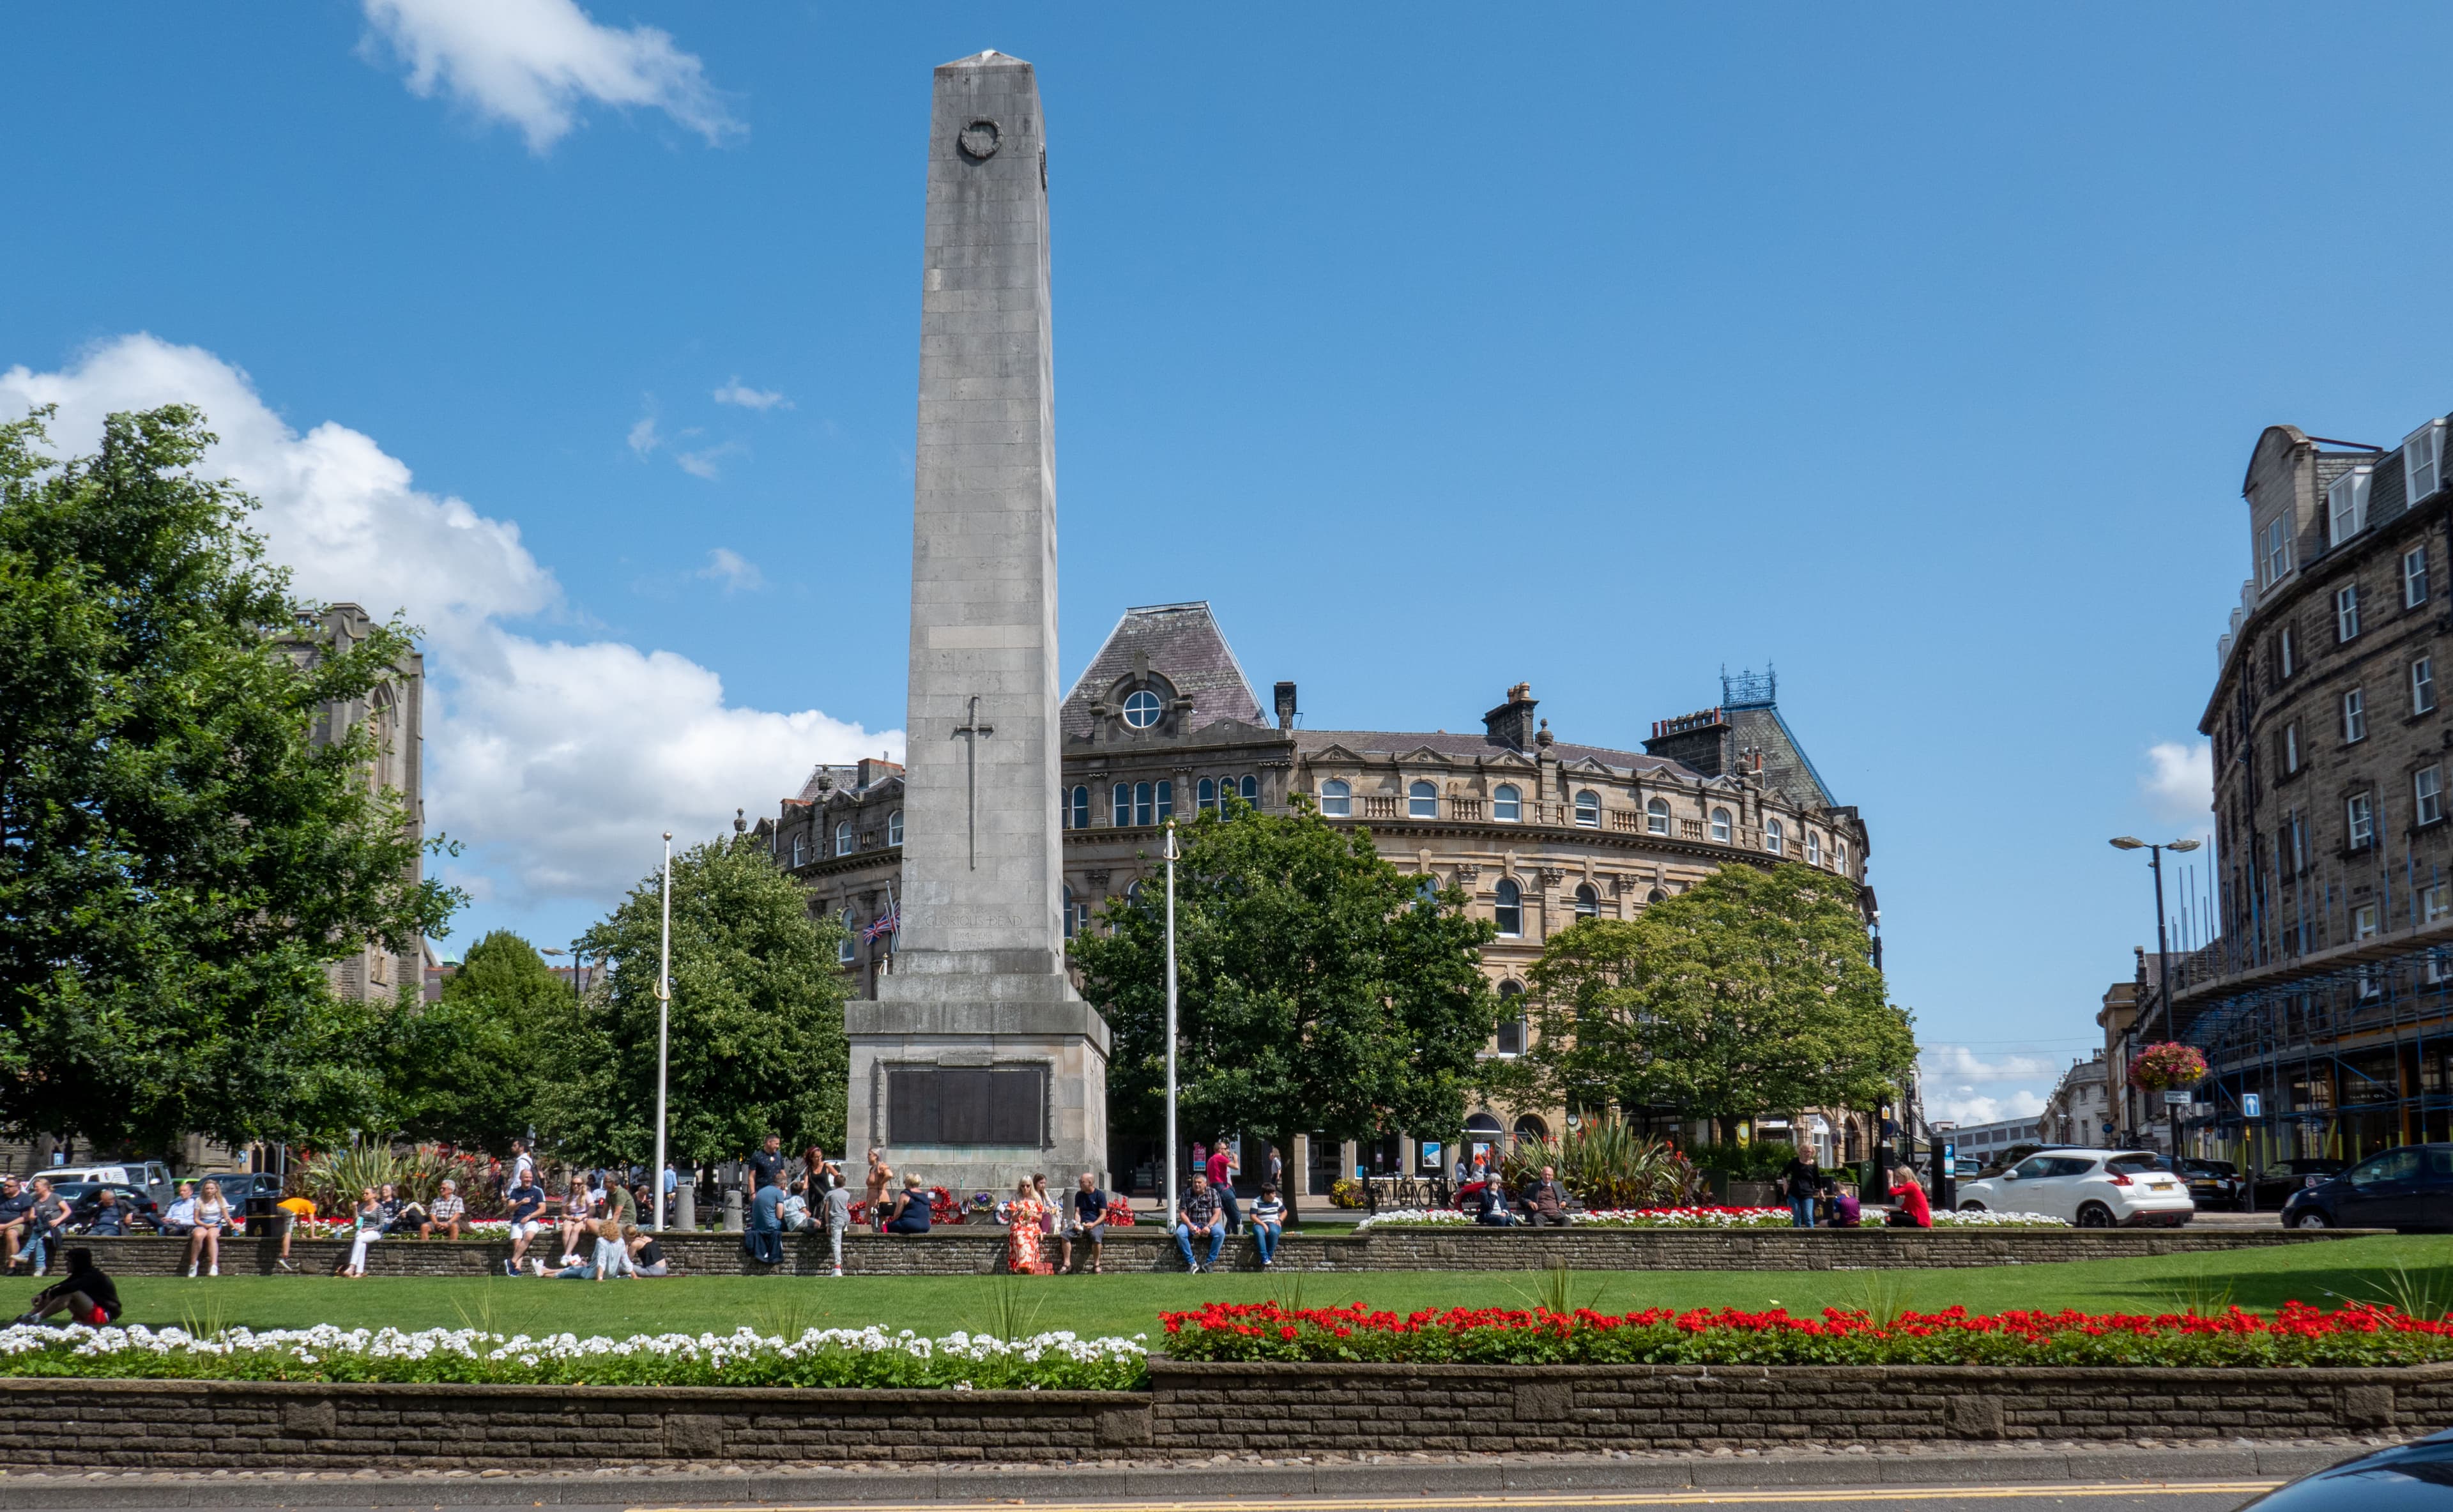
{"x": 2323, "y": 1274}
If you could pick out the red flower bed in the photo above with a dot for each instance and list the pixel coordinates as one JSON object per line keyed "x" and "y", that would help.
{"x": 2297, "y": 1335}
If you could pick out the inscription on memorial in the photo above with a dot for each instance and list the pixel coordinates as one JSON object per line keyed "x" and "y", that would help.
{"x": 962, "y": 1104}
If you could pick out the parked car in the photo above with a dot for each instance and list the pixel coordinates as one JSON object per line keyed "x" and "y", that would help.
{"x": 84, "y": 1200}
{"x": 2411, "y": 1476}
{"x": 2274, "y": 1185}
{"x": 2409, "y": 1190}
{"x": 153, "y": 1176}
{"x": 237, "y": 1186}
{"x": 2212, "y": 1183}
{"x": 2090, "y": 1188}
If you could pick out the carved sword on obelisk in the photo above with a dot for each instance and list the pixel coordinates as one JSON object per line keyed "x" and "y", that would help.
{"x": 971, "y": 734}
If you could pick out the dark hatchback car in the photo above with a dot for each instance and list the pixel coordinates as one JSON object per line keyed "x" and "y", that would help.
{"x": 2414, "y": 1476}
{"x": 2409, "y": 1188}
{"x": 84, "y": 1200}
{"x": 2213, "y": 1185}
{"x": 2274, "y": 1185}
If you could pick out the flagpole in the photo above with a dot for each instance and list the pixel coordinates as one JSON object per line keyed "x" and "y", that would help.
{"x": 663, "y": 1022}
{"x": 1169, "y": 1218}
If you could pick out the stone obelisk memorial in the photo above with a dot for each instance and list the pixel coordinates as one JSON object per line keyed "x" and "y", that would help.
{"x": 978, "y": 1062}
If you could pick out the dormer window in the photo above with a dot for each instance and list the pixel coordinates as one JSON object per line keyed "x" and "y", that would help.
{"x": 2422, "y": 460}
{"x": 1506, "y": 804}
{"x": 1142, "y": 709}
{"x": 2346, "y": 505}
{"x": 2275, "y": 561}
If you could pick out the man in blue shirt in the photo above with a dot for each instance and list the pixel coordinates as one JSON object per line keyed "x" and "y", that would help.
{"x": 764, "y": 1242}
{"x": 526, "y": 1202}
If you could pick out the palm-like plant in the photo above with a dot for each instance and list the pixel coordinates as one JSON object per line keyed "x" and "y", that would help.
{"x": 1606, "y": 1164}
{"x": 335, "y": 1178}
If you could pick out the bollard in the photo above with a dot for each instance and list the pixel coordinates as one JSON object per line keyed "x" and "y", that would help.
{"x": 732, "y": 1210}
{"x": 685, "y": 1209}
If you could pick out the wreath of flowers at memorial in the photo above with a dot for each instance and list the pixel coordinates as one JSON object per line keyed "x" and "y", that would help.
{"x": 820, "y": 1357}
{"x": 2162, "y": 1066}
{"x": 2297, "y": 1335}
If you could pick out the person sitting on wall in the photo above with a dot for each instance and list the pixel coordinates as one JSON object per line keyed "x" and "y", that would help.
{"x": 794, "y": 1209}
{"x": 85, "y": 1294}
{"x": 109, "y": 1220}
{"x": 910, "y": 1209}
{"x": 1911, "y": 1209}
{"x": 1492, "y": 1202}
{"x": 448, "y": 1213}
{"x": 1546, "y": 1201}
{"x": 1197, "y": 1217}
{"x": 1844, "y": 1211}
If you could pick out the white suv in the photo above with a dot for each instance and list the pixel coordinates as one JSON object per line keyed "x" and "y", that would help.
{"x": 2091, "y": 1188}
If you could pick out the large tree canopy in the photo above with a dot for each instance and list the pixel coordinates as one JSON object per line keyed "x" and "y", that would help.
{"x": 469, "y": 1070}
{"x": 1320, "y": 989}
{"x": 757, "y": 1026}
{"x": 178, "y": 858}
{"x": 1748, "y": 993}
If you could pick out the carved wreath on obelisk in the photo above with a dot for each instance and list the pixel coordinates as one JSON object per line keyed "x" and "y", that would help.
{"x": 979, "y": 140}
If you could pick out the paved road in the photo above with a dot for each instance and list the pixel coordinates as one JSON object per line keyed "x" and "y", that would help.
{"x": 2131, "y": 1496}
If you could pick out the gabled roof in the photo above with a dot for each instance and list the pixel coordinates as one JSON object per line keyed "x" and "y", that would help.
{"x": 1185, "y": 647}
{"x": 1468, "y": 747}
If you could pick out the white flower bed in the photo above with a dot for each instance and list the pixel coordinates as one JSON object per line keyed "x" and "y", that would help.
{"x": 819, "y": 1357}
{"x": 1694, "y": 1218}
{"x": 1988, "y": 1218}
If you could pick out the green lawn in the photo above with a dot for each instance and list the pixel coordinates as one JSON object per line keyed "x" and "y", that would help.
{"x": 2319, "y": 1273}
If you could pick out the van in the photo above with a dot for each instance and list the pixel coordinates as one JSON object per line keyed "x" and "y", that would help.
{"x": 152, "y": 1175}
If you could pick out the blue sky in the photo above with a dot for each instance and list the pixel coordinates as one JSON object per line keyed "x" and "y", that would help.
{"x": 1919, "y": 352}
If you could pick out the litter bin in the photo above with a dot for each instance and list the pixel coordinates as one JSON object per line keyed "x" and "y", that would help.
{"x": 263, "y": 1219}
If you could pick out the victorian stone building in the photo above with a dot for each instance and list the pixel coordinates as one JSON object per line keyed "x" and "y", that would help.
{"x": 2322, "y": 1007}
{"x": 1536, "y": 830}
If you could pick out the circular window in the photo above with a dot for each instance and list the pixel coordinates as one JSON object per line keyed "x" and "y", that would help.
{"x": 1141, "y": 710}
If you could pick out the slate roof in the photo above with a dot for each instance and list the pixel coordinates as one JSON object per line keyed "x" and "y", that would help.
{"x": 1185, "y": 647}
{"x": 1466, "y": 746}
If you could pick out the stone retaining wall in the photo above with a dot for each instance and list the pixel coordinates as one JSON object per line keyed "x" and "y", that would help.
{"x": 1191, "y": 1411}
{"x": 967, "y": 1249}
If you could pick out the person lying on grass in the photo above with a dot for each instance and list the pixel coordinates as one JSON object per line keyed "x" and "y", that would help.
{"x": 85, "y": 1294}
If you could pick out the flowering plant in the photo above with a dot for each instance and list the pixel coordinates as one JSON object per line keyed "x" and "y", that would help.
{"x": 1692, "y": 1218}
{"x": 820, "y": 1357}
{"x": 2354, "y": 1334}
{"x": 1988, "y": 1217}
{"x": 2162, "y": 1066}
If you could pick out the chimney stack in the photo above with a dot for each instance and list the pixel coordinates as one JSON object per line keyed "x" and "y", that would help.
{"x": 1286, "y": 706}
{"x": 1511, "y": 723}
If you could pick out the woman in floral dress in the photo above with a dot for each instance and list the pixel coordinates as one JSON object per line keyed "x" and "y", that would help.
{"x": 1026, "y": 1243}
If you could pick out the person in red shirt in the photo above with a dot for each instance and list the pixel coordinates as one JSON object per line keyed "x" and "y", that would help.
{"x": 1908, "y": 1195}
{"x": 1221, "y": 1181}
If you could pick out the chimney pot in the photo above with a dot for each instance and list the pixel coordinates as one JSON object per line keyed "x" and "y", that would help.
{"x": 1286, "y": 702}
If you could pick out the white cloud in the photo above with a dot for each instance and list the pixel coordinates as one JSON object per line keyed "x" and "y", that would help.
{"x": 559, "y": 763}
{"x": 1964, "y": 1105}
{"x": 733, "y": 570}
{"x": 1959, "y": 1060}
{"x": 702, "y": 464}
{"x": 762, "y": 400}
{"x": 643, "y": 436}
{"x": 532, "y": 64}
{"x": 2179, "y": 783}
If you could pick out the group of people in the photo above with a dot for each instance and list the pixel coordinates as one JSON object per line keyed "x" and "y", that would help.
{"x": 1543, "y": 1203}
{"x": 1034, "y": 1220}
{"x": 1815, "y": 1201}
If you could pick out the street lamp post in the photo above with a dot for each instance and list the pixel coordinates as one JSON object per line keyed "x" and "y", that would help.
{"x": 1169, "y": 1217}
{"x": 2162, "y": 946}
{"x": 663, "y": 1021}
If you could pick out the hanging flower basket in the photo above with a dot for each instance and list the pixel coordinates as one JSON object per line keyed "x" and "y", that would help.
{"x": 2161, "y": 1068}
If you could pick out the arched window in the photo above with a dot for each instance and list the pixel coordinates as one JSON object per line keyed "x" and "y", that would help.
{"x": 1656, "y": 816}
{"x": 1070, "y": 916}
{"x": 1838, "y": 854}
{"x": 1426, "y": 891}
{"x": 1145, "y": 809}
{"x": 1720, "y": 825}
{"x": 1249, "y": 789}
{"x": 1123, "y": 796}
{"x": 894, "y": 828}
{"x": 1775, "y": 838}
{"x": 1134, "y": 895}
{"x": 843, "y": 838}
{"x": 1141, "y": 708}
{"x": 1336, "y": 799}
{"x": 1508, "y": 804}
{"x": 1511, "y": 1019}
{"x": 849, "y": 950}
{"x": 1421, "y": 800}
{"x": 1588, "y": 903}
{"x": 1509, "y": 909}
{"x": 800, "y": 850}
{"x": 1531, "y": 1131}
{"x": 1656, "y": 895}
{"x": 1813, "y": 848}
{"x": 1205, "y": 796}
{"x": 1080, "y": 804}
{"x": 1166, "y": 800}
{"x": 1588, "y": 810}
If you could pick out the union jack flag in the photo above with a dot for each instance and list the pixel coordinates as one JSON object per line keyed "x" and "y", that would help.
{"x": 885, "y": 923}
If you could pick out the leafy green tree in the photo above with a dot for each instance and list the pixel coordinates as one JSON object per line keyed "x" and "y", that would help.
{"x": 757, "y": 1025}
{"x": 1750, "y": 992}
{"x": 1320, "y": 989}
{"x": 469, "y": 1070}
{"x": 179, "y": 859}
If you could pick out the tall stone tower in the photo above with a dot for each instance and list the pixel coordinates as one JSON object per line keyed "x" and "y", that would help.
{"x": 978, "y": 1062}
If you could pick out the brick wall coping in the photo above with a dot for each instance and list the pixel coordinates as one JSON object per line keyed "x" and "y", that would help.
{"x": 1168, "y": 1372}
